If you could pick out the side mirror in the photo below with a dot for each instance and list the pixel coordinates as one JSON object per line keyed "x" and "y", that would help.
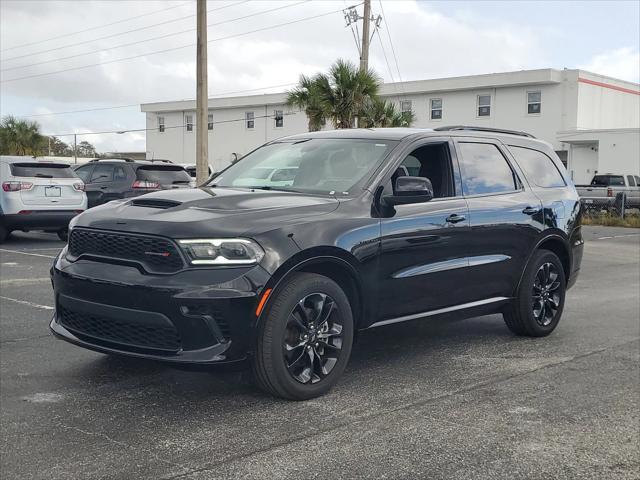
{"x": 410, "y": 190}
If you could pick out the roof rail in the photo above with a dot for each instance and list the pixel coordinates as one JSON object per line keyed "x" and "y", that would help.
{"x": 483, "y": 129}
{"x": 124, "y": 159}
{"x": 160, "y": 160}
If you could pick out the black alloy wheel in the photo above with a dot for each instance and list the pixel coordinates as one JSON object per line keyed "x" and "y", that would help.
{"x": 313, "y": 338}
{"x": 546, "y": 298}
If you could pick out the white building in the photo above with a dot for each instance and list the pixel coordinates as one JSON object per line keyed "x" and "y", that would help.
{"x": 592, "y": 121}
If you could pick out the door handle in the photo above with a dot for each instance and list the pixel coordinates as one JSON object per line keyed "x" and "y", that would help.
{"x": 530, "y": 210}
{"x": 103, "y": 188}
{"x": 455, "y": 218}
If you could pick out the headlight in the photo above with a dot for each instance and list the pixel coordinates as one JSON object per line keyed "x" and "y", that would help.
{"x": 222, "y": 251}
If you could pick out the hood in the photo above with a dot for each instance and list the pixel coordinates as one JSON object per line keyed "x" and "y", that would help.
{"x": 201, "y": 212}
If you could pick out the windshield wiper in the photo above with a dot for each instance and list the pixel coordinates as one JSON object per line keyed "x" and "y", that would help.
{"x": 278, "y": 189}
{"x": 180, "y": 181}
{"x": 42, "y": 175}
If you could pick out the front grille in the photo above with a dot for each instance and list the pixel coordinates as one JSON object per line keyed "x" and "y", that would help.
{"x": 120, "y": 332}
{"x": 154, "y": 253}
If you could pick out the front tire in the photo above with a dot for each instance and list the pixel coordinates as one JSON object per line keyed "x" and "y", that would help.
{"x": 63, "y": 234}
{"x": 4, "y": 234}
{"x": 304, "y": 338}
{"x": 539, "y": 302}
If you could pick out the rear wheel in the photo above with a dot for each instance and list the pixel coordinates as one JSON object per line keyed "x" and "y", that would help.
{"x": 4, "y": 234}
{"x": 304, "y": 341}
{"x": 63, "y": 234}
{"x": 538, "y": 306}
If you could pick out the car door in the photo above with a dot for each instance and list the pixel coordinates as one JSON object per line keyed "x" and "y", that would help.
{"x": 423, "y": 248}
{"x": 100, "y": 183}
{"x": 505, "y": 217}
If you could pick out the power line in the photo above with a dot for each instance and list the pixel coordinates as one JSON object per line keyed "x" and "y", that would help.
{"x": 313, "y": 17}
{"x": 114, "y": 35}
{"x": 134, "y": 130}
{"x": 393, "y": 50}
{"x": 94, "y": 28}
{"x": 96, "y": 109}
{"x": 155, "y": 38}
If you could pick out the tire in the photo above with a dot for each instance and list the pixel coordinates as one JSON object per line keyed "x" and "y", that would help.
{"x": 63, "y": 234}
{"x": 293, "y": 359}
{"x": 538, "y": 305}
{"x": 4, "y": 234}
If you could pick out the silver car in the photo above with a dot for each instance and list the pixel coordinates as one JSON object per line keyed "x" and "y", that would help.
{"x": 38, "y": 195}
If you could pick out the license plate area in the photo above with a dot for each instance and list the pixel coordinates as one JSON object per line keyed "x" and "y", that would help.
{"x": 52, "y": 192}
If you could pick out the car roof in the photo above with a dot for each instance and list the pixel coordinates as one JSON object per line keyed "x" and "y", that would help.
{"x": 397, "y": 134}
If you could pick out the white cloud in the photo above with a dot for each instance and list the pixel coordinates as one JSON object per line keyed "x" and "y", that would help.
{"x": 623, "y": 63}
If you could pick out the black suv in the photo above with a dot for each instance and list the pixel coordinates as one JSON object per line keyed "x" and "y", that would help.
{"x": 376, "y": 227}
{"x": 107, "y": 179}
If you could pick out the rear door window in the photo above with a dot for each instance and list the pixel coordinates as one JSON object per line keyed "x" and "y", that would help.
{"x": 485, "y": 170}
{"x": 102, "y": 173}
{"x": 119, "y": 174}
{"x": 163, "y": 174}
{"x": 538, "y": 167}
{"x": 84, "y": 173}
{"x": 44, "y": 170}
{"x": 607, "y": 180}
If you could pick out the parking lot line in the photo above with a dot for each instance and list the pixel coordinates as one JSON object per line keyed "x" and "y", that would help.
{"x": 24, "y": 302}
{"x": 26, "y": 253}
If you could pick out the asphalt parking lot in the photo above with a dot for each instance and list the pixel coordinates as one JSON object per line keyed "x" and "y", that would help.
{"x": 428, "y": 399}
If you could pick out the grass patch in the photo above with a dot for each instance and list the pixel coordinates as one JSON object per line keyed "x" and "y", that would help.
{"x": 608, "y": 220}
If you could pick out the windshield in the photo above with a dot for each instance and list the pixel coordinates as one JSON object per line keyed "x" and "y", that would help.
{"x": 318, "y": 165}
{"x": 164, "y": 175}
{"x": 45, "y": 170}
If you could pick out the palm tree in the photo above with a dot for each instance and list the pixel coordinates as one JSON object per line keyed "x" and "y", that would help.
{"x": 339, "y": 95}
{"x": 306, "y": 96}
{"x": 20, "y": 137}
{"x": 381, "y": 113}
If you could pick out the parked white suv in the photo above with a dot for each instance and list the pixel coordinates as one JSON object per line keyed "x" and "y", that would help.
{"x": 38, "y": 195}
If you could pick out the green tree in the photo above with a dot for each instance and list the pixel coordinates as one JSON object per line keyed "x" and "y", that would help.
{"x": 58, "y": 148}
{"x": 306, "y": 96}
{"x": 379, "y": 113}
{"x": 340, "y": 95}
{"x": 21, "y": 137}
{"x": 85, "y": 149}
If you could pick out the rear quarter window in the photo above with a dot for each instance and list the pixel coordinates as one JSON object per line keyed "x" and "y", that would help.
{"x": 538, "y": 167}
{"x": 44, "y": 170}
{"x": 608, "y": 180}
{"x": 163, "y": 174}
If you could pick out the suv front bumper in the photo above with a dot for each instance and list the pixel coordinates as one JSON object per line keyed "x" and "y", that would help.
{"x": 196, "y": 316}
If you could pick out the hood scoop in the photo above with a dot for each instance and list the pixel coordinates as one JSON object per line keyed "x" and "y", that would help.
{"x": 155, "y": 203}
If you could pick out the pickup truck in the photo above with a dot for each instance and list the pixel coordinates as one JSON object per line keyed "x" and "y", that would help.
{"x": 604, "y": 187}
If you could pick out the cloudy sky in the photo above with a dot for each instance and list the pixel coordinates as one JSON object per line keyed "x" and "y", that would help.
{"x": 61, "y": 56}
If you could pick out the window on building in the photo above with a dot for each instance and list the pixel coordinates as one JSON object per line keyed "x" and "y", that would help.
{"x": 539, "y": 168}
{"x": 534, "y": 101}
{"x": 188, "y": 123}
{"x": 278, "y": 116}
{"x": 210, "y": 121}
{"x": 405, "y": 106}
{"x": 485, "y": 170}
{"x": 436, "y": 109}
{"x": 484, "y": 105}
{"x": 161, "y": 124}
{"x": 250, "y": 120}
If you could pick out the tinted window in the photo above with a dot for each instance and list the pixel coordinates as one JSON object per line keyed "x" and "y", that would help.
{"x": 632, "y": 182}
{"x": 637, "y": 179}
{"x": 102, "y": 173}
{"x": 164, "y": 175}
{"x": 119, "y": 174}
{"x": 485, "y": 170}
{"x": 84, "y": 172}
{"x": 538, "y": 167}
{"x": 607, "y": 180}
{"x": 46, "y": 170}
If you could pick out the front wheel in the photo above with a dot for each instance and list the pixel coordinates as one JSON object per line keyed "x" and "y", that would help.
{"x": 63, "y": 234}
{"x": 539, "y": 302}
{"x": 305, "y": 338}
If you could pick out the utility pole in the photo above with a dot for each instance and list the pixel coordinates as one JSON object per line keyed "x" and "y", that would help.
{"x": 75, "y": 148}
{"x": 202, "y": 99}
{"x": 366, "y": 38}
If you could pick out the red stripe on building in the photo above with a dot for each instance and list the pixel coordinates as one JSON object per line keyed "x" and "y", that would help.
{"x": 608, "y": 85}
